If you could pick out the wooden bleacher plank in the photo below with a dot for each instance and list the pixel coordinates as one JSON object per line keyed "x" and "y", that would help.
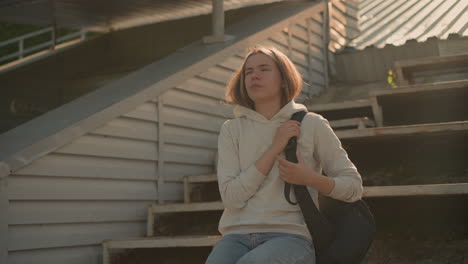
{"x": 157, "y": 242}
{"x": 415, "y": 190}
{"x": 343, "y": 110}
{"x": 376, "y": 110}
{"x": 162, "y": 242}
{"x": 369, "y": 191}
{"x": 434, "y": 62}
{"x": 359, "y": 122}
{"x": 405, "y": 69}
{"x": 187, "y": 207}
{"x": 196, "y": 179}
{"x": 338, "y": 106}
{"x": 201, "y": 178}
{"x": 403, "y": 130}
{"x": 420, "y": 88}
{"x": 178, "y": 207}
{"x": 420, "y": 104}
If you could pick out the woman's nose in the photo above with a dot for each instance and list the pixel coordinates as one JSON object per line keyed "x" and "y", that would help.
{"x": 255, "y": 75}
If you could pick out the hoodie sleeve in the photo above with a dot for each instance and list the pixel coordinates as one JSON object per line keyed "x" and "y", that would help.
{"x": 236, "y": 187}
{"x": 335, "y": 162}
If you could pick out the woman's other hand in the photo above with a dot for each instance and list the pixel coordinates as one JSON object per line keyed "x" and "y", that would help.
{"x": 300, "y": 174}
{"x": 287, "y": 130}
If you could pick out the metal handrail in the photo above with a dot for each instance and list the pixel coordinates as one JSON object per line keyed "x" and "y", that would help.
{"x": 20, "y": 40}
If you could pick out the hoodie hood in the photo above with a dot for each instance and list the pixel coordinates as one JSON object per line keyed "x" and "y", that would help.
{"x": 284, "y": 113}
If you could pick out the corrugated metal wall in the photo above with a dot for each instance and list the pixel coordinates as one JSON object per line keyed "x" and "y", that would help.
{"x": 396, "y": 21}
{"x": 63, "y": 205}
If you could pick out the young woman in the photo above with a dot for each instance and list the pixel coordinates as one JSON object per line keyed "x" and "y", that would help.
{"x": 258, "y": 224}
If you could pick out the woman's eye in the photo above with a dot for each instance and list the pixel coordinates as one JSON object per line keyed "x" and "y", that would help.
{"x": 247, "y": 73}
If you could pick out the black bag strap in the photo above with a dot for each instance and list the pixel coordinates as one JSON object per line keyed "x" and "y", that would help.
{"x": 290, "y": 153}
{"x": 321, "y": 230}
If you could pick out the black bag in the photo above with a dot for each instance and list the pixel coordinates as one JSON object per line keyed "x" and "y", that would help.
{"x": 342, "y": 232}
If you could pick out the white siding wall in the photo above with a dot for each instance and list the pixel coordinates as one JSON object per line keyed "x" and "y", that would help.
{"x": 303, "y": 43}
{"x": 63, "y": 205}
{"x": 344, "y": 24}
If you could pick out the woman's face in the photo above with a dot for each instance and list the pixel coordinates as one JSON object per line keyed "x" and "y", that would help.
{"x": 262, "y": 79}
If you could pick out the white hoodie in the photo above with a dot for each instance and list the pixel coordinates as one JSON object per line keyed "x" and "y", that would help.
{"x": 255, "y": 203}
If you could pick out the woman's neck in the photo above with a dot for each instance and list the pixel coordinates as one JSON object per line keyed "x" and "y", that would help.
{"x": 268, "y": 109}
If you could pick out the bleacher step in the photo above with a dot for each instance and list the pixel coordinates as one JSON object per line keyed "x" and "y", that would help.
{"x": 186, "y": 207}
{"x": 416, "y": 190}
{"x": 206, "y": 241}
{"x": 369, "y": 192}
{"x": 403, "y": 130}
{"x": 157, "y": 242}
{"x": 358, "y": 122}
{"x": 418, "y": 89}
{"x": 178, "y": 207}
{"x": 421, "y": 103}
{"x": 338, "y": 106}
{"x": 201, "y": 178}
{"x": 188, "y": 180}
{"x": 358, "y": 113}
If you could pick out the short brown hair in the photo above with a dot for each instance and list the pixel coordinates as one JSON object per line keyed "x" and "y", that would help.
{"x": 236, "y": 92}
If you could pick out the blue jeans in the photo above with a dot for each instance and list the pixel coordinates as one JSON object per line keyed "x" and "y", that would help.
{"x": 259, "y": 248}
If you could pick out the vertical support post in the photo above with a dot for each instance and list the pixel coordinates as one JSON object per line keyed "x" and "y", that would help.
{"x": 186, "y": 190}
{"x": 150, "y": 222}
{"x": 105, "y": 254}
{"x": 54, "y": 24}
{"x": 4, "y": 205}
{"x": 326, "y": 40}
{"x": 290, "y": 25}
{"x": 217, "y": 23}
{"x": 83, "y": 35}
{"x": 160, "y": 181}
{"x": 309, "y": 54}
{"x": 218, "y": 18}
{"x": 376, "y": 111}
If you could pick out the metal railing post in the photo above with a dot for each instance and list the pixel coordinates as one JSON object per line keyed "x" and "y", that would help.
{"x": 23, "y": 51}
{"x": 83, "y": 35}
{"x": 21, "y": 48}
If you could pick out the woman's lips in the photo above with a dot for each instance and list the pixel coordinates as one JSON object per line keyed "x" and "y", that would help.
{"x": 256, "y": 85}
